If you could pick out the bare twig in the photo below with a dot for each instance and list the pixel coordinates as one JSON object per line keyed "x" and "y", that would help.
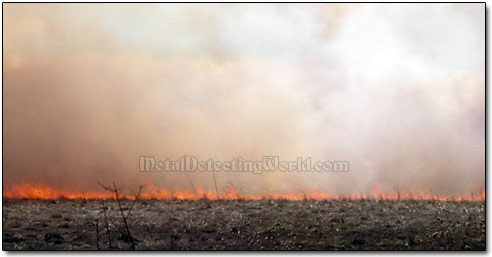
{"x": 106, "y": 188}
{"x": 107, "y": 225}
{"x": 115, "y": 190}
{"x": 191, "y": 182}
{"x": 398, "y": 193}
{"x": 123, "y": 216}
{"x": 119, "y": 229}
{"x": 215, "y": 183}
{"x": 134, "y": 201}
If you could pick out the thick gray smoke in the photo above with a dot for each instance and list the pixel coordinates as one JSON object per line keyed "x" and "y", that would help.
{"x": 397, "y": 90}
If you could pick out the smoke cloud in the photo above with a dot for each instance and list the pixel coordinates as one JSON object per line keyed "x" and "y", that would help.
{"x": 398, "y": 90}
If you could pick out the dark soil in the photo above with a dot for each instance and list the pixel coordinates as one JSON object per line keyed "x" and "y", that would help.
{"x": 246, "y": 225}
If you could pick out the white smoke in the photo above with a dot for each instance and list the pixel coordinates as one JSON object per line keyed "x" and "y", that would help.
{"x": 395, "y": 89}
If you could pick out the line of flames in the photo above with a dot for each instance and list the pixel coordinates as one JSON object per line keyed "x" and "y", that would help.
{"x": 43, "y": 192}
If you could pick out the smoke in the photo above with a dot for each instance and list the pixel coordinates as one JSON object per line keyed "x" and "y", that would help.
{"x": 398, "y": 90}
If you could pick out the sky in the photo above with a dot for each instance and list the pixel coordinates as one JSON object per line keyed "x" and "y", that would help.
{"x": 397, "y": 90}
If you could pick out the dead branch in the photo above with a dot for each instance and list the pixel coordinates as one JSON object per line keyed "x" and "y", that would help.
{"x": 107, "y": 225}
{"x": 398, "y": 193}
{"x": 123, "y": 216}
{"x": 118, "y": 228}
{"x": 215, "y": 183}
{"x": 116, "y": 191}
{"x": 191, "y": 182}
{"x": 106, "y": 188}
{"x": 134, "y": 201}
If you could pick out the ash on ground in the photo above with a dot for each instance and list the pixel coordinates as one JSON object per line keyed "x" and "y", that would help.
{"x": 244, "y": 225}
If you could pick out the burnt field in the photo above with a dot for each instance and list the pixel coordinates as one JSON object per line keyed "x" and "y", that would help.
{"x": 244, "y": 225}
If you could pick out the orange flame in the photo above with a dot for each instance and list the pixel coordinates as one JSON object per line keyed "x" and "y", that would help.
{"x": 43, "y": 192}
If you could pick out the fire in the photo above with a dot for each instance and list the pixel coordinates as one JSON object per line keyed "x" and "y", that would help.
{"x": 43, "y": 192}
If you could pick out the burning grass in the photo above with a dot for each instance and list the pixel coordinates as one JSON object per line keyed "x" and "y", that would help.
{"x": 42, "y": 192}
{"x": 40, "y": 217}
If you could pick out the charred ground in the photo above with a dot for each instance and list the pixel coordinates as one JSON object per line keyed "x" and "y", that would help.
{"x": 245, "y": 225}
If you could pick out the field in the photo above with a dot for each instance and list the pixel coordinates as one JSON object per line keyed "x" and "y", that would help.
{"x": 244, "y": 225}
